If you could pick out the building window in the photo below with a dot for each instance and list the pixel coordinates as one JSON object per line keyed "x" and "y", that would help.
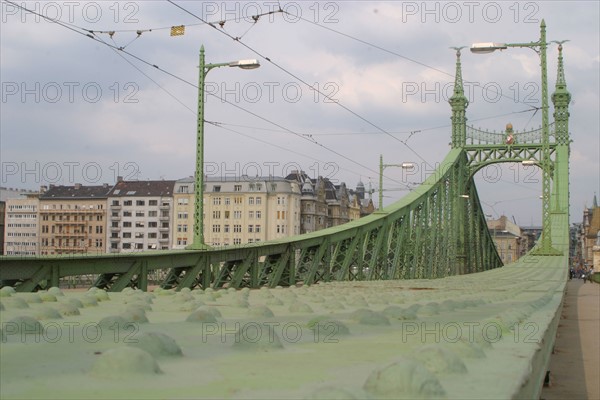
{"x": 237, "y": 228}
{"x": 152, "y": 202}
{"x": 216, "y": 228}
{"x": 152, "y": 235}
{"x": 216, "y": 188}
{"x": 139, "y": 235}
{"x": 257, "y": 229}
{"x": 226, "y": 214}
{"x": 139, "y": 214}
{"x": 99, "y": 229}
{"x": 126, "y": 224}
{"x": 258, "y": 214}
{"x": 140, "y": 203}
{"x": 237, "y": 188}
{"x": 153, "y": 214}
{"x": 280, "y": 214}
{"x": 251, "y": 200}
{"x": 216, "y": 201}
{"x": 258, "y": 200}
{"x": 126, "y": 235}
{"x": 226, "y": 228}
{"x": 227, "y": 201}
{"x": 237, "y": 200}
{"x": 139, "y": 246}
{"x": 126, "y": 246}
{"x": 183, "y": 189}
{"x": 237, "y": 214}
{"x": 216, "y": 214}
{"x": 139, "y": 224}
{"x": 152, "y": 224}
{"x": 182, "y": 201}
{"x": 250, "y": 228}
{"x": 250, "y": 214}
{"x": 127, "y": 213}
{"x": 128, "y": 203}
{"x": 237, "y": 241}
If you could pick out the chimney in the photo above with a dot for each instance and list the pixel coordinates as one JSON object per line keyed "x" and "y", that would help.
{"x": 77, "y": 186}
{"x": 119, "y": 178}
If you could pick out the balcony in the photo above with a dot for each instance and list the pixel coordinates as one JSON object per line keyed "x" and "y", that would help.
{"x": 115, "y": 207}
{"x": 164, "y": 218}
{"x": 65, "y": 222}
{"x": 73, "y": 211}
{"x": 115, "y": 229}
{"x": 163, "y": 240}
{"x": 115, "y": 239}
{"x": 164, "y": 229}
{"x": 70, "y": 234}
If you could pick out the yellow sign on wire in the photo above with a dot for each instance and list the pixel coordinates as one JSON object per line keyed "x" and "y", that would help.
{"x": 177, "y": 30}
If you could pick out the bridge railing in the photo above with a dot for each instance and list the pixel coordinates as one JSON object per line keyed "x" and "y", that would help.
{"x": 431, "y": 233}
{"x": 479, "y": 136}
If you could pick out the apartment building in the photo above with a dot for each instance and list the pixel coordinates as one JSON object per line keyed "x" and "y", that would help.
{"x": 72, "y": 219}
{"x": 324, "y": 204}
{"x": 140, "y": 216}
{"x": 249, "y": 210}
{"x": 508, "y": 239}
{"x": 183, "y": 215}
{"x": 20, "y": 224}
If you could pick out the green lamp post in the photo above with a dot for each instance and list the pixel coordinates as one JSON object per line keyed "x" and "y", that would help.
{"x": 383, "y": 166}
{"x": 198, "y": 243}
{"x": 546, "y": 164}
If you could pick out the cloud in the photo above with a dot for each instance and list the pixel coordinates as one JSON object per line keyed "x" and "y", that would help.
{"x": 387, "y": 62}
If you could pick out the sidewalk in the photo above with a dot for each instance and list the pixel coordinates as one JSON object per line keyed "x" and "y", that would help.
{"x": 575, "y": 364}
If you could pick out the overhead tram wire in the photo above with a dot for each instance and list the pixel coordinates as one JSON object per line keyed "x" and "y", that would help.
{"x": 376, "y": 133}
{"x": 220, "y": 125}
{"x": 85, "y": 32}
{"x": 394, "y": 53}
{"x": 337, "y": 102}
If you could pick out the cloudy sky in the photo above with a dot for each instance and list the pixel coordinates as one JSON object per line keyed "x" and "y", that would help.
{"x": 77, "y": 109}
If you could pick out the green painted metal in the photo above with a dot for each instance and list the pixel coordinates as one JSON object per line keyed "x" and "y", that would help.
{"x": 437, "y": 230}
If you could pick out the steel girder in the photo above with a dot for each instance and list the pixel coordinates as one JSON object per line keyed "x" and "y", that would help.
{"x": 430, "y": 233}
{"x": 480, "y": 156}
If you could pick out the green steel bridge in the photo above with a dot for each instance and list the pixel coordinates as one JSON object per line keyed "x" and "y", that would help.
{"x": 437, "y": 235}
{"x": 437, "y": 230}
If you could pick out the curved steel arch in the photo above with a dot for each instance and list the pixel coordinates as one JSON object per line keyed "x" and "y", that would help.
{"x": 432, "y": 232}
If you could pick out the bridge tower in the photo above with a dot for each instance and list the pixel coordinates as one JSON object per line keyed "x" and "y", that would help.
{"x": 547, "y": 147}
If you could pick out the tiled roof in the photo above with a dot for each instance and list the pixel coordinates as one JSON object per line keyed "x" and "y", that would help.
{"x": 142, "y": 188}
{"x": 76, "y": 192}
{"x": 594, "y": 223}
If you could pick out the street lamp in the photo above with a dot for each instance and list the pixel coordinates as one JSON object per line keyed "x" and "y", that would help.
{"x": 198, "y": 243}
{"x": 540, "y": 48}
{"x": 383, "y": 166}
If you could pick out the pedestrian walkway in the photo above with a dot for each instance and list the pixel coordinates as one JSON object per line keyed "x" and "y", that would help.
{"x": 575, "y": 364}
